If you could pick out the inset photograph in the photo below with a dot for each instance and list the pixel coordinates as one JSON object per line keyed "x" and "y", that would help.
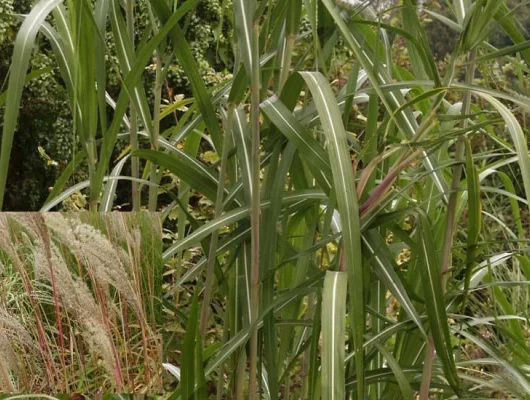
{"x": 80, "y": 308}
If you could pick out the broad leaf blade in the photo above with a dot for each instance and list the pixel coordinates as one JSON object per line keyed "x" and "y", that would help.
{"x": 333, "y": 335}
{"x": 344, "y": 185}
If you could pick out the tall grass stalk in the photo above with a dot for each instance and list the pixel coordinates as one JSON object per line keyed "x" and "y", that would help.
{"x": 255, "y": 84}
{"x": 133, "y": 130}
{"x": 159, "y": 82}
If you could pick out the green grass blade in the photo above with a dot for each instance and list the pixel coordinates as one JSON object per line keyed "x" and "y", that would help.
{"x": 186, "y": 60}
{"x": 434, "y": 299}
{"x": 308, "y": 147}
{"x": 241, "y": 338}
{"x": 474, "y": 215}
{"x": 516, "y": 48}
{"x": 127, "y": 59}
{"x": 280, "y": 116}
{"x": 383, "y": 263}
{"x": 333, "y": 334}
{"x": 518, "y": 138}
{"x": 399, "y": 373}
{"x": 237, "y": 214}
{"x": 100, "y": 16}
{"x": 243, "y": 16}
{"x": 241, "y": 129}
{"x": 503, "y": 18}
{"x": 192, "y": 382}
{"x": 344, "y": 185}
{"x": 186, "y": 168}
{"x": 110, "y": 188}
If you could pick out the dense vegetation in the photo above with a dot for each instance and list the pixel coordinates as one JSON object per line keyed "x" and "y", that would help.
{"x": 45, "y": 143}
{"x": 345, "y": 199}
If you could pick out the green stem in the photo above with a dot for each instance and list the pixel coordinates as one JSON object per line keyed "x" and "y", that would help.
{"x": 210, "y": 268}
{"x": 94, "y": 188}
{"x": 457, "y": 172}
{"x": 133, "y": 131}
{"x": 153, "y": 190}
{"x": 226, "y": 337}
{"x": 450, "y": 221}
{"x": 255, "y": 210}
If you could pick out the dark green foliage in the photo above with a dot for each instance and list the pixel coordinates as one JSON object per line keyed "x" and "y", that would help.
{"x": 45, "y": 141}
{"x": 441, "y": 39}
{"x": 521, "y": 13}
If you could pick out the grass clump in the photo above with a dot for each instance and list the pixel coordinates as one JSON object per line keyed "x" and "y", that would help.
{"x": 78, "y": 305}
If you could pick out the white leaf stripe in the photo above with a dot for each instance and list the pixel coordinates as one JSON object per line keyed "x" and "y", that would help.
{"x": 333, "y": 334}
{"x": 342, "y": 174}
{"x": 246, "y": 268}
{"x": 247, "y": 45}
{"x": 110, "y": 188}
{"x": 344, "y": 185}
{"x": 243, "y": 144}
{"x": 460, "y": 10}
{"x": 125, "y": 47}
{"x": 333, "y": 328}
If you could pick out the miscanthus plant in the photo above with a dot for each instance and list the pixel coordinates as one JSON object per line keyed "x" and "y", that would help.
{"x": 78, "y": 308}
{"x": 369, "y": 213}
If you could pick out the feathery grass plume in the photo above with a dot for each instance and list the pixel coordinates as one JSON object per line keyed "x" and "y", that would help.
{"x": 85, "y": 309}
{"x": 117, "y": 225}
{"x": 5, "y": 238}
{"x": 8, "y": 363}
{"x": 79, "y": 303}
{"x": 14, "y": 329}
{"x": 13, "y": 335}
{"x": 97, "y": 253}
{"x": 119, "y": 231}
{"x": 8, "y": 245}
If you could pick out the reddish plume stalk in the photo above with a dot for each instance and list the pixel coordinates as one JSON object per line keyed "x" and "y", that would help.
{"x": 379, "y": 192}
{"x": 44, "y": 234}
